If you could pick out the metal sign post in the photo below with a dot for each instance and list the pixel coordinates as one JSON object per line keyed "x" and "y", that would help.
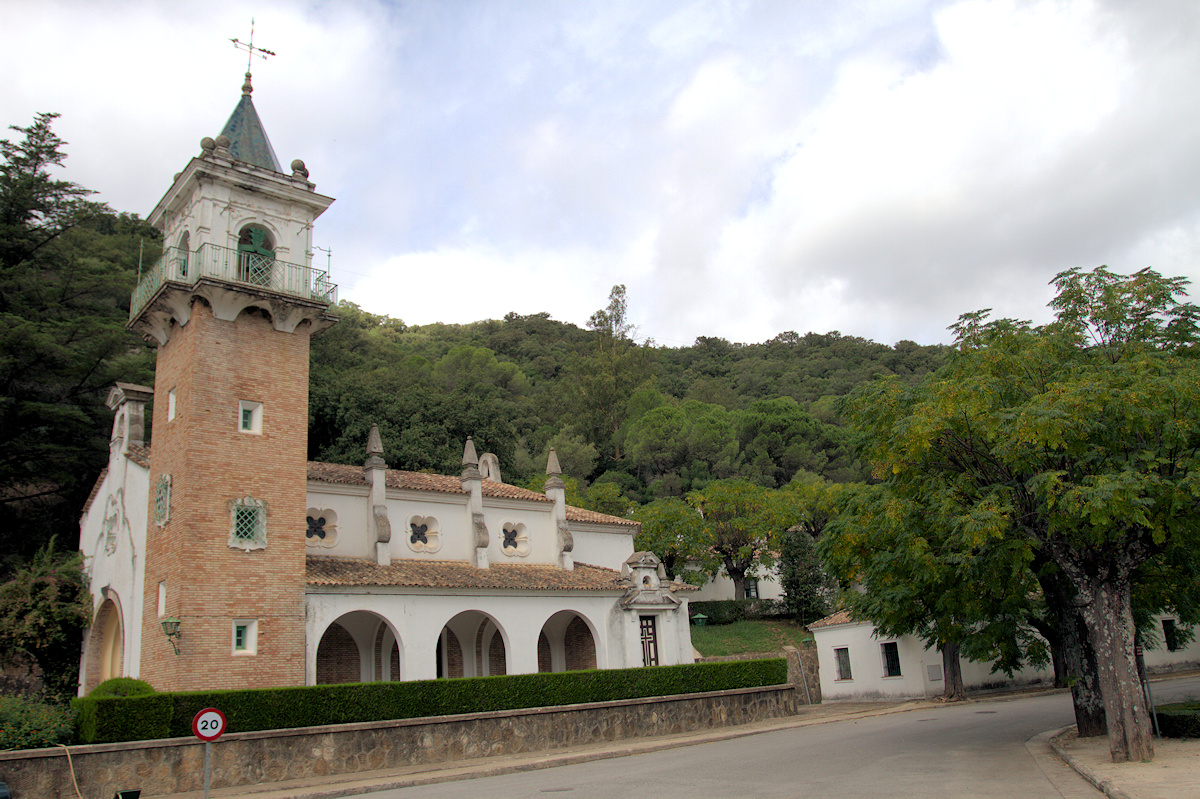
{"x": 208, "y": 726}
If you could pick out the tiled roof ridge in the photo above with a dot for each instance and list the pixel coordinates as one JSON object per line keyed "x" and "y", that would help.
{"x": 334, "y": 571}
{"x": 347, "y": 474}
{"x": 834, "y": 619}
{"x": 95, "y": 489}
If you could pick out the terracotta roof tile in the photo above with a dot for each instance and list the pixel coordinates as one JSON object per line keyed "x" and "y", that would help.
{"x": 324, "y": 570}
{"x": 447, "y": 484}
{"x": 834, "y": 619}
{"x": 95, "y": 489}
{"x": 139, "y": 455}
{"x": 582, "y": 515}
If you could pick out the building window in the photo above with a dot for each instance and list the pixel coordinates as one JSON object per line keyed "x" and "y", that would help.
{"x": 256, "y": 256}
{"x": 171, "y": 405}
{"x": 1170, "y": 635}
{"x": 321, "y": 528}
{"x": 751, "y": 588}
{"x": 424, "y": 534}
{"x": 842, "y": 656}
{"x": 245, "y": 636}
{"x": 649, "y": 641}
{"x": 891, "y": 659}
{"x": 162, "y": 599}
{"x": 250, "y": 416}
{"x": 162, "y": 500}
{"x": 514, "y": 539}
{"x": 248, "y": 524}
{"x": 181, "y": 254}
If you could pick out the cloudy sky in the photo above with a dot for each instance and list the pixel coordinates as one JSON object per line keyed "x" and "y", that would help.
{"x": 744, "y": 168}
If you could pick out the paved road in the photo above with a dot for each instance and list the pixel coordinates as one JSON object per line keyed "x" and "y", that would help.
{"x": 974, "y": 750}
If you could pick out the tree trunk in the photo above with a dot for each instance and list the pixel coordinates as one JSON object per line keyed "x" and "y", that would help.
{"x": 1110, "y": 624}
{"x": 952, "y": 674}
{"x": 1073, "y": 654}
{"x": 737, "y": 573}
{"x": 1083, "y": 674}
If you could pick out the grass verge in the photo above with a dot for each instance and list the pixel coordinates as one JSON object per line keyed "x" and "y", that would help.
{"x": 745, "y": 637}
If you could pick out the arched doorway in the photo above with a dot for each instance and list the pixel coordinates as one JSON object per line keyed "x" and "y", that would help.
{"x": 106, "y": 644}
{"x": 566, "y": 643}
{"x": 471, "y": 645}
{"x": 358, "y": 647}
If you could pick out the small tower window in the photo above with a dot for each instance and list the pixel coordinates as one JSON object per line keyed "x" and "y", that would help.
{"x": 256, "y": 256}
{"x": 245, "y": 636}
{"x": 182, "y": 253}
{"x": 250, "y": 416}
{"x": 162, "y": 500}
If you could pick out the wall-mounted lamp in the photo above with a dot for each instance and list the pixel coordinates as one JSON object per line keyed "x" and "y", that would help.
{"x": 170, "y": 627}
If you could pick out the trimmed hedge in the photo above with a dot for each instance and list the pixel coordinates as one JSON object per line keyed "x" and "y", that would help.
{"x": 122, "y": 686}
{"x": 727, "y": 611}
{"x": 109, "y": 720}
{"x": 1180, "y": 720}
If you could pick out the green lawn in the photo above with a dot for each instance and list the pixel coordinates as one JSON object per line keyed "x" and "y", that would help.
{"x": 743, "y": 637}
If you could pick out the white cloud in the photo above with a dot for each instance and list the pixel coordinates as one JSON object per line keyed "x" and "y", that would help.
{"x": 875, "y": 167}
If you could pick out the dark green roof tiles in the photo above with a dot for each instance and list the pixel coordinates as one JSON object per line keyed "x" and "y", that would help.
{"x": 248, "y": 141}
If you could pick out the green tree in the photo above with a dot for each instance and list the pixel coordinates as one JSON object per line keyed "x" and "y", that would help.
{"x": 745, "y": 523}
{"x": 904, "y": 572}
{"x": 675, "y": 532}
{"x": 44, "y": 608}
{"x": 601, "y": 384}
{"x": 808, "y": 588}
{"x": 67, "y": 269}
{"x": 1078, "y": 439}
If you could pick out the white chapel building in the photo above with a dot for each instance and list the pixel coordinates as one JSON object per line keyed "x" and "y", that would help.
{"x": 219, "y": 557}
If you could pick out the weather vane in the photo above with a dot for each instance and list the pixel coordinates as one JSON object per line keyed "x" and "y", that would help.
{"x": 251, "y": 49}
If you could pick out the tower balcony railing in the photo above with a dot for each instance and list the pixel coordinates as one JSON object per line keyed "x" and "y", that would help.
{"x": 256, "y": 271}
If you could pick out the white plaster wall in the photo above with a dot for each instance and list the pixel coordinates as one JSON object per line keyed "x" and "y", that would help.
{"x": 121, "y": 571}
{"x": 539, "y": 525}
{"x": 453, "y": 515}
{"x": 721, "y": 587}
{"x": 351, "y": 504}
{"x": 1159, "y": 659}
{"x": 597, "y": 547}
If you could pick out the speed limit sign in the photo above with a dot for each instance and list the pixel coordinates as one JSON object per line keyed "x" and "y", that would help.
{"x": 208, "y": 724}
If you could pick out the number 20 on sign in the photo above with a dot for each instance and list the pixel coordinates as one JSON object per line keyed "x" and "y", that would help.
{"x": 208, "y": 724}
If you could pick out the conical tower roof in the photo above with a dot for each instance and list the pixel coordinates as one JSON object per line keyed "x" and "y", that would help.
{"x": 248, "y": 140}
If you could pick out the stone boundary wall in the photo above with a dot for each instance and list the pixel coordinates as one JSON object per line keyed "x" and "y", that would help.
{"x": 176, "y": 765}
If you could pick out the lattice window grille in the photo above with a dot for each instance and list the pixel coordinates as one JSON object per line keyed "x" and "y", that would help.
{"x": 248, "y": 524}
{"x": 162, "y": 500}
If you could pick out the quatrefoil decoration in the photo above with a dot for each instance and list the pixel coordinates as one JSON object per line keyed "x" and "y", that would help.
{"x": 425, "y": 535}
{"x": 322, "y": 530}
{"x": 514, "y": 539}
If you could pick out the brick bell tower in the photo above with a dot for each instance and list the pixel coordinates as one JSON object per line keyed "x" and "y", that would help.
{"x": 231, "y": 306}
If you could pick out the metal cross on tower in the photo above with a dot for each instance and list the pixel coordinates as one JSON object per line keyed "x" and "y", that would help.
{"x": 250, "y": 48}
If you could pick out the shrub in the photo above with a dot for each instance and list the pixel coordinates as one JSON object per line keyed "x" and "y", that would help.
{"x": 25, "y": 724}
{"x": 165, "y": 715}
{"x": 727, "y": 611}
{"x": 122, "y": 686}
{"x": 1181, "y": 720}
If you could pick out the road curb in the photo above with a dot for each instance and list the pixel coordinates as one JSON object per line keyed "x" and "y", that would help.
{"x": 1084, "y": 771}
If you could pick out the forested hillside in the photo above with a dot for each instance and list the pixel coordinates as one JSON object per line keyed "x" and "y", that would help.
{"x": 630, "y": 421}
{"x": 653, "y": 421}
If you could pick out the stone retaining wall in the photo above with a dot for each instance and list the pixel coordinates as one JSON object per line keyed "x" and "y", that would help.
{"x": 177, "y": 764}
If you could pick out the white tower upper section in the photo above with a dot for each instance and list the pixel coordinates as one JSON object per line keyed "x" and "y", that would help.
{"x": 238, "y": 232}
